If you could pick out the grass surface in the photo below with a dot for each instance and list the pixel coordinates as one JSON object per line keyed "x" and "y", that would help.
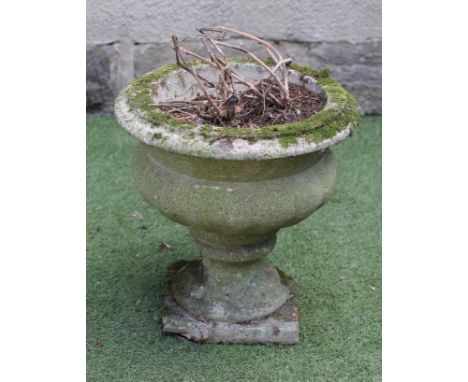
{"x": 334, "y": 256}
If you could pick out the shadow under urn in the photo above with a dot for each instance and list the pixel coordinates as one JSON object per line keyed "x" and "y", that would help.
{"x": 234, "y": 188}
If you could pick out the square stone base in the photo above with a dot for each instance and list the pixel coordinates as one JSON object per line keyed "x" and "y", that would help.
{"x": 281, "y": 327}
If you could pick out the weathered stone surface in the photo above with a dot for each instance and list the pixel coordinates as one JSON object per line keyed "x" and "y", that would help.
{"x": 150, "y": 56}
{"x": 293, "y": 20}
{"x": 100, "y": 68}
{"x": 232, "y": 291}
{"x": 336, "y": 53}
{"x": 281, "y": 327}
{"x": 108, "y": 69}
{"x": 349, "y": 74}
{"x": 365, "y": 83}
{"x": 368, "y": 96}
{"x": 356, "y": 66}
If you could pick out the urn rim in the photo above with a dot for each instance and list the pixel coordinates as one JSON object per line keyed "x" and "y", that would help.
{"x": 136, "y": 113}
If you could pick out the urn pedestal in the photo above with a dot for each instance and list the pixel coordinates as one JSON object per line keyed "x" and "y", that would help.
{"x": 233, "y": 190}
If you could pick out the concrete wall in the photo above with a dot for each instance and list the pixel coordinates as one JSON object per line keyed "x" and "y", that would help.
{"x": 126, "y": 38}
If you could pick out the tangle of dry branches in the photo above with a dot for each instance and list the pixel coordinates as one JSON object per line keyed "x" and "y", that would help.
{"x": 233, "y": 96}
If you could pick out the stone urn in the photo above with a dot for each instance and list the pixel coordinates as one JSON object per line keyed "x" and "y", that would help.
{"x": 234, "y": 189}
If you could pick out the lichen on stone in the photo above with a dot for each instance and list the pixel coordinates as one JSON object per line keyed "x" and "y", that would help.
{"x": 342, "y": 110}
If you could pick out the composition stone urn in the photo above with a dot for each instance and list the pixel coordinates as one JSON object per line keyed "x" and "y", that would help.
{"x": 233, "y": 188}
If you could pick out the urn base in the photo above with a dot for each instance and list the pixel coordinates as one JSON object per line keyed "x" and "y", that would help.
{"x": 280, "y": 327}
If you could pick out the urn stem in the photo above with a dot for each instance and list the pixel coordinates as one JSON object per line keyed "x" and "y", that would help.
{"x": 229, "y": 290}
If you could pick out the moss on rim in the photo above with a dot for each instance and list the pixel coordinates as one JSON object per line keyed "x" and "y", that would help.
{"x": 342, "y": 110}
{"x": 139, "y": 97}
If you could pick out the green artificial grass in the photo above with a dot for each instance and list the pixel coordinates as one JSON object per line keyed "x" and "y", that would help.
{"x": 334, "y": 256}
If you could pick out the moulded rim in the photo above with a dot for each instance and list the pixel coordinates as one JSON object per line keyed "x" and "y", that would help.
{"x": 136, "y": 112}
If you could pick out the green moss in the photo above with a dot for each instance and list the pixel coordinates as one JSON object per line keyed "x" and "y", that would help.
{"x": 287, "y": 141}
{"x": 139, "y": 97}
{"x": 343, "y": 110}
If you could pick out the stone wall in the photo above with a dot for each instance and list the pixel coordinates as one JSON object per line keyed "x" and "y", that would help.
{"x": 126, "y": 38}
